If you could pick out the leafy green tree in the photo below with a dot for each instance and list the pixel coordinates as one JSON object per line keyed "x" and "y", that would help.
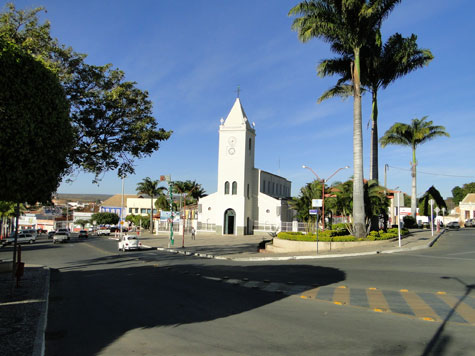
{"x": 111, "y": 117}
{"x": 82, "y": 222}
{"x": 460, "y": 193}
{"x": 151, "y": 188}
{"x": 346, "y": 24}
{"x": 412, "y": 135}
{"x": 105, "y": 218}
{"x": 424, "y": 201}
{"x": 191, "y": 190}
{"x": 35, "y": 128}
{"x": 380, "y": 66}
{"x": 303, "y": 202}
{"x": 139, "y": 220}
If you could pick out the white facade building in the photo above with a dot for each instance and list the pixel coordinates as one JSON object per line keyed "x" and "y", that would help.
{"x": 247, "y": 197}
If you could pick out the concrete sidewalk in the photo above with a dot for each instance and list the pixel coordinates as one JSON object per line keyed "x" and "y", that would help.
{"x": 245, "y": 248}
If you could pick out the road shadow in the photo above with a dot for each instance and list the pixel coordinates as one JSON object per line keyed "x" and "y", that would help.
{"x": 90, "y": 309}
{"x": 439, "y": 342}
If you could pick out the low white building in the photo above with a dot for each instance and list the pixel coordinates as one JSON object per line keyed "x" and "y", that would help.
{"x": 247, "y": 198}
{"x": 467, "y": 207}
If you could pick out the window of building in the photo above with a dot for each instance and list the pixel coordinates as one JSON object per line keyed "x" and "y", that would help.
{"x": 130, "y": 211}
{"x": 250, "y": 143}
{"x": 263, "y": 186}
{"x": 248, "y": 191}
{"x": 143, "y": 211}
{"x": 234, "y": 188}
{"x": 226, "y": 188}
{"x": 136, "y": 210}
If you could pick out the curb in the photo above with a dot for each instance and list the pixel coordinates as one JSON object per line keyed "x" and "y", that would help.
{"x": 39, "y": 343}
{"x": 306, "y": 257}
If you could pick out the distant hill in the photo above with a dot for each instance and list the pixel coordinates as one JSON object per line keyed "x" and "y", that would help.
{"x": 84, "y": 197}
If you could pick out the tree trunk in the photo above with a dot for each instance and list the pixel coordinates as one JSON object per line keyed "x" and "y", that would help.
{"x": 414, "y": 185}
{"x": 359, "y": 224}
{"x": 151, "y": 216}
{"x": 373, "y": 169}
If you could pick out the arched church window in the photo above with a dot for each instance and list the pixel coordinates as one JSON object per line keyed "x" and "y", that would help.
{"x": 226, "y": 188}
{"x": 234, "y": 188}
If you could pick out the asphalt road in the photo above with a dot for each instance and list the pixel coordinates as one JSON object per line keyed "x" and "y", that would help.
{"x": 103, "y": 302}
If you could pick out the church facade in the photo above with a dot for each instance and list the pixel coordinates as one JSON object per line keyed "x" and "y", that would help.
{"x": 246, "y": 196}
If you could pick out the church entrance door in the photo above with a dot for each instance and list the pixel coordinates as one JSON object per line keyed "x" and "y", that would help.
{"x": 229, "y": 221}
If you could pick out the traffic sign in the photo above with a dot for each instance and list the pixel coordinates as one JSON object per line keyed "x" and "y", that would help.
{"x": 317, "y": 203}
{"x": 313, "y": 211}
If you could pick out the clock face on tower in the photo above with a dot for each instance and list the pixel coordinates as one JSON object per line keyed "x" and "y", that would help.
{"x": 231, "y": 150}
{"x": 232, "y": 140}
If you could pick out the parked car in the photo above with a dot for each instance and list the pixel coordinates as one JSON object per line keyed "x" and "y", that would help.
{"x": 60, "y": 236}
{"x": 30, "y": 231}
{"x": 83, "y": 234}
{"x": 129, "y": 242}
{"x": 102, "y": 232}
{"x": 51, "y": 234}
{"x": 453, "y": 225}
{"x": 470, "y": 223}
{"x": 23, "y": 238}
{"x": 65, "y": 231}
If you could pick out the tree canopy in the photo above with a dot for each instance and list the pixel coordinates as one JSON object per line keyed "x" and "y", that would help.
{"x": 105, "y": 218}
{"x": 35, "y": 130}
{"x": 112, "y": 119}
{"x": 460, "y": 192}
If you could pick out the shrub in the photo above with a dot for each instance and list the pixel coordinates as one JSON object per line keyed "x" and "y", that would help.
{"x": 409, "y": 222}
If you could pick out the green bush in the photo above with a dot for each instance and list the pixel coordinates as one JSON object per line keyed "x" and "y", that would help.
{"x": 409, "y": 222}
{"x": 340, "y": 236}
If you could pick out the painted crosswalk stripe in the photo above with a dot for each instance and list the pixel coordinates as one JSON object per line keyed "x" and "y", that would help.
{"x": 341, "y": 295}
{"x": 358, "y": 297}
{"x": 463, "y": 309}
{"x": 311, "y": 294}
{"x": 441, "y": 308}
{"x": 397, "y": 303}
{"x": 376, "y": 300}
{"x": 326, "y": 293}
{"x": 419, "y": 307}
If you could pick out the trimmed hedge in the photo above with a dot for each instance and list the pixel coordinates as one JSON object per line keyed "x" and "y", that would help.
{"x": 338, "y": 236}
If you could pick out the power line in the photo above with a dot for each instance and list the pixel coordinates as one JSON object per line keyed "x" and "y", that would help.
{"x": 434, "y": 174}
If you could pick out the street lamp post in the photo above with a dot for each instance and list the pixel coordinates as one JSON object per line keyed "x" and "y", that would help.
{"x": 323, "y": 181}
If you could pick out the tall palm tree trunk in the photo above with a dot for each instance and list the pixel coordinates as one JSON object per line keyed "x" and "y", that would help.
{"x": 151, "y": 215}
{"x": 373, "y": 169}
{"x": 414, "y": 185}
{"x": 359, "y": 225}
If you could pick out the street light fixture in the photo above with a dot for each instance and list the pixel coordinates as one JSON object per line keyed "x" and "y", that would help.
{"x": 323, "y": 181}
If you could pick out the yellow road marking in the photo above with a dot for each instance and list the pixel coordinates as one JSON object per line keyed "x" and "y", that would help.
{"x": 303, "y": 297}
{"x": 378, "y": 310}
{"x": 312, "y": 293}
{"x": 341, "y": 295}
{"x": 419, "y": 307}
{"x": 404, "y": 290}
{"x": 464, "y": 310}
{"x": 338, "y": 303}
{"x": 376, "y": 300}
{"x": 343, "y": 287}
{"x": 441, "y": 293}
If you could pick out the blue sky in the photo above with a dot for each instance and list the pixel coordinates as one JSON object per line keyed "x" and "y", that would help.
{"x": 191, "y": 55}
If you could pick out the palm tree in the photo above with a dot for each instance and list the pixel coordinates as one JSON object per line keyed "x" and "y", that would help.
{"x": 151, "y": 188}
{"x": 380, "y": 66}
{"x": 346, "y": 24}
{"x": 418, "y": 132}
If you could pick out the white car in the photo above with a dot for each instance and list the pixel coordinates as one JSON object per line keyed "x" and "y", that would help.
{"x": 60, "y": 237}
{"x": 22, "y": 238}
{"x": 65, "y": 231}
{"x": 129, "y": 242}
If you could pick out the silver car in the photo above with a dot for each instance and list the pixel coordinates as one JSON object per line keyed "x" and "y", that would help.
{"x": 470, "y": 223}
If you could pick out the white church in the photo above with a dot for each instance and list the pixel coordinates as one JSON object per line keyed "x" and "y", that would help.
{"x": 247, "y": 197}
